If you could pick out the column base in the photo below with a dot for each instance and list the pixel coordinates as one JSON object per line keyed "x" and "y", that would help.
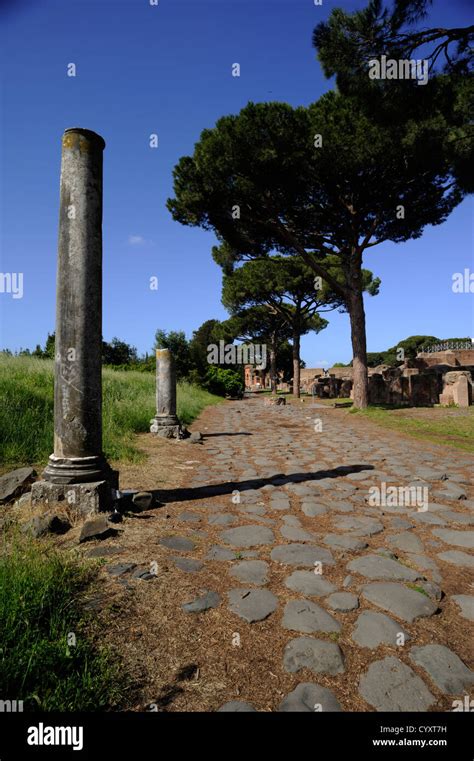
{"x": 166, "y": 426}
{"x": 85, "y": 498}
{"x": 79, "y": 470}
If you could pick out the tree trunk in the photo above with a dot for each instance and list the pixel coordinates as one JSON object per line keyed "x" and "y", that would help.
{"x": 296, "y": 365}
{"x": 273, "y": 368}
{"x": 360, "y": 383}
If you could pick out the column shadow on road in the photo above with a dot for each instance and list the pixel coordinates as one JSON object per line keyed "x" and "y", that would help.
{"x": 184, "y": 494}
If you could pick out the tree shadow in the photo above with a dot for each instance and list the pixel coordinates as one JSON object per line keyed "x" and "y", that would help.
{"x": 184, "y": 494}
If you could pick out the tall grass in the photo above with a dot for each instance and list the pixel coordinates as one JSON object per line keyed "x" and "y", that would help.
{"x": 48, "y": 655}
{"x": 26, "y": 409}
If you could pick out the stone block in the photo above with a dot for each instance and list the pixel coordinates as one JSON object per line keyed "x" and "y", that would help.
{"x": 84, "y": 498}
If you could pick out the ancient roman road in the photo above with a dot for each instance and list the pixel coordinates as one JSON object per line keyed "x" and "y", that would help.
{"x": 288, "y": 586}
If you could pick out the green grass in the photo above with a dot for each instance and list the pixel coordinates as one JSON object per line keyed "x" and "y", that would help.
{"x": 26, "y": 409}
{"x": 40, "y": 613}
{"x": 449, "y": 426}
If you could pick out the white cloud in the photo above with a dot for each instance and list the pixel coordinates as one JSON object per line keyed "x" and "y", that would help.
{"x": 136, "y": 240}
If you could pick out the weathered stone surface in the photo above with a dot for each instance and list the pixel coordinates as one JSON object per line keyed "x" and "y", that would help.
{"x": 47, "y": 523}
{"x": 345, "y": 542}
{"x": 404, "y": 603}
{"x": 143, "y": 574}
{"x": 251, "y": 572}
{"x": 248, "y": 536}
{"x": 87, "y": 498}
{"x": 236, "y": 706}
{"x": 296, "y": 534}
{"x": 189, "y": 565}
{"x": 309, "y": 583}
{"x": 377, "y": 567}
{"x": 143, "y": 500}
{"x": 359, "y": 526}
{"x": 220, "y": 553}
{"x": 309, "y": 697}
{"x": 373, "y": 629}
{"x": 406, "y": 542}
{"x": 189, "y": 517}
{"x": 457, "y": 557}
{"x": 390, "y": 685}
{"x": 252, "y": 604}
{"x": 302, "y": 555}
{"x": 457, "y": 538}
{"x": 444, "y": 667}
{"x": 97, "y": 528}
{"x": 343, "y": 601}
{"x": 222, "y": 519}
{"x": 318, "y": 655}
{"x": 312, "y": 509}
{"x": 15, "y": 483}
{"x": 179, "y": 543}
{"x": 466, "y": 604}
{"x": 202, "y": 603}
{"x": 306, "y": 616}
{"x": 119, "y": 569}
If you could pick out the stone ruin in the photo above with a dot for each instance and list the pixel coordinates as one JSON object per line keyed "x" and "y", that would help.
{"x": 444, "y": 378}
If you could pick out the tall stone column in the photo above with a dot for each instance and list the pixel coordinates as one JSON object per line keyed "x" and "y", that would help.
{"x": 165, "y": 423}
{"x": 77, "y": 458}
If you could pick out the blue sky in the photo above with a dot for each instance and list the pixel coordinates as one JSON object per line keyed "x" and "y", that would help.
{"x": 166, "y": 69}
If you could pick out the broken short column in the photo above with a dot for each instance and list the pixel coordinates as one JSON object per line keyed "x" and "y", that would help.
{"x": 77, "y": 471}
{"x": 165, "y": 423}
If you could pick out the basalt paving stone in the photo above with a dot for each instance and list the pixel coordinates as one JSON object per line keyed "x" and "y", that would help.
{"x": 445, "y": 668}
{"x": 202, "y": 603}
{"x": 189, "y": 565}
{"x": 120, "y": 569}
{"x": 466, "y": 605}
{"x": 400, "y": 523}
{"x": 452, "y": 491}
{"x": 405, "y": 542}
{"x": 302, "y": 555}
{"x": 319, "y": 656}
{"x": 428, "y": 518}
{"x": 458, "y": 558}
{"x": 359, "y": 526}
{"x": 461, "y": 518}
{"x": 308, "y": 697}
{"x": 251, "y": 572}
{"x": 423, "y": 563}
{"x": 456, "y": 538}
{"x": 189, "y": 517}
{"x": 312, "y": 509}
{"x": 222, "y": 519}
{"x": 343, "y": 602}
{"x": 252, "y": 604}
{"x": 237, "y": 706}
{"x": 309, "y": 583}
{"x": 255, "y": 509}
{"x": 291, "y": 520}
{"x": 179, "y": 543}
{"x": 305, "y": 616}
{"x": 248, "y": 536}
{"x": 377, "y": 567}
{"x": 373, "y": 629}
{"x": 296, "y": 534}
{"x": 220, "y": 553}
{"x": 390, "y": 685}
{"x": 345, "y": 542}
{"x": 405, "y": 603}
